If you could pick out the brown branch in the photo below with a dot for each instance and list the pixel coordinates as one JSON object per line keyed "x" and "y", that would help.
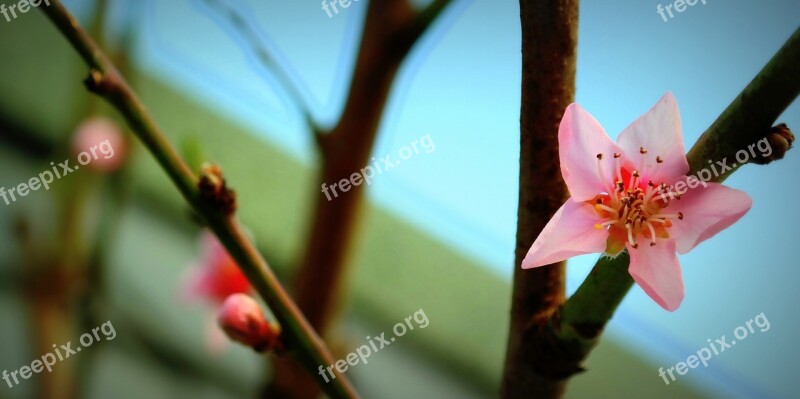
{"x": 549, "y": 42}
{"x": 391, "y": 29}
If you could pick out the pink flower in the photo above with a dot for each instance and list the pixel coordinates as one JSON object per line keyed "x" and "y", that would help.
{"x": 243, "y": 321}
{"x": 218, "y": 275}
{"x": 623, "y": 196}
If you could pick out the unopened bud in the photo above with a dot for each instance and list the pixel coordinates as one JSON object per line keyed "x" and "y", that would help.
{"x": 243, "y": 321}
{"x": 99, "y": 144}
{"x": 780, "y": 140}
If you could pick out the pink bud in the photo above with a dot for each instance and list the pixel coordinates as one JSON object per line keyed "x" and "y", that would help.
{"x": 99, "y": 144}
{"x": 243, "y": 321}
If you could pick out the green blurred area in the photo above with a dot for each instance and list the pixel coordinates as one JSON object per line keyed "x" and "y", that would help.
{"x": 161, "y": 349}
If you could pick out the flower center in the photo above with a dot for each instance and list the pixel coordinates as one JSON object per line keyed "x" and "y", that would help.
{"x": 633, "y": 208}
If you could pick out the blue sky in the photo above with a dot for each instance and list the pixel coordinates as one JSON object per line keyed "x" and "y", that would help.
{"x": 460, "y": 85}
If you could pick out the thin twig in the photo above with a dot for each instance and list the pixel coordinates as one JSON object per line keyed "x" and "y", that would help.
{"x": 267, "y": 60}
{"x": 105, "y": 81}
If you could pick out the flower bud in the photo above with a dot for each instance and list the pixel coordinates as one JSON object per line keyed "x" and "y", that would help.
{"x": 781, "y": 139}
{"x": 243, "y": 321}
{"x": 99, "y": 144}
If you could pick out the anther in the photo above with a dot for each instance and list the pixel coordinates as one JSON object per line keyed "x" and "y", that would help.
{"x": 659, "y": 160}
{"x": 599, "y": 156}
{"x": 642, "y": 150}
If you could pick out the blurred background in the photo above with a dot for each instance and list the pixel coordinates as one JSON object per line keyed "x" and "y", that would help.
{"x": 117, "y": 242}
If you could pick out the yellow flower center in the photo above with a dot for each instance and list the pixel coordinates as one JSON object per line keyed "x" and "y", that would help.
{"x": 633, "y": 208}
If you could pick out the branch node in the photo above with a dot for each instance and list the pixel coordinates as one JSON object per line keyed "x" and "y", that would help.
{"x": 102, "y": 83}
{"x": 213, "y": 188}
{"x": 94, "y": 81}
{"x": 780, "y": 139}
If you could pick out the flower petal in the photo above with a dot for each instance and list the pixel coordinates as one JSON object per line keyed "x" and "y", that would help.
{"x": 706, "y": 212}
{"x": 580, "y": 139}
{"x": 569, "y": 233}
{"x": 659, "y": 132}
{"x": 656, "y": 269}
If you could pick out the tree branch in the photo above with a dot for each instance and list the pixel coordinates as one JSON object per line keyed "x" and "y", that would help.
{"x": 549, "y": 41}
{"x": 267, "y": 60}
{"x": 425, "y": 18}
{"x": 391, "y": 29}
{"x": 105, "y": 81}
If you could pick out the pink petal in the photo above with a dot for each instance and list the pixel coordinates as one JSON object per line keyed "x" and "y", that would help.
{"x": 656, "y": 269}
{"x": 659, "y": 132}
{"x": 706, "y": 212}
{"x": 569, "y": 233}
{"x": 580, "y": 139}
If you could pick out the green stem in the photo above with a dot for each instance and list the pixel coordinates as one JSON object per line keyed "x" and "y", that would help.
{"x": 105, "y": 81}
{"x": 751, "y": 114}
{"x": 746, "y": 120}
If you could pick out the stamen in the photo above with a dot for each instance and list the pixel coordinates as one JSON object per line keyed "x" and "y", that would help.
{"x": 652, "y": 191}
{"x": 605, "y": 224}
{"x": 606, "y": 208}
{"x": 634, "y": 179}
{"x": 643, "y": 158}
{"x": 617, "y": 166}
{"x": 600, "y": 172}
{"x": 652, "y": 234}
{"x": 630, "y": 235}
{"x": 666, "y": 216}
{"x": 636, "y": 206}
{"x": 655, "y": 170}
{"x": 625, "y": 212}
